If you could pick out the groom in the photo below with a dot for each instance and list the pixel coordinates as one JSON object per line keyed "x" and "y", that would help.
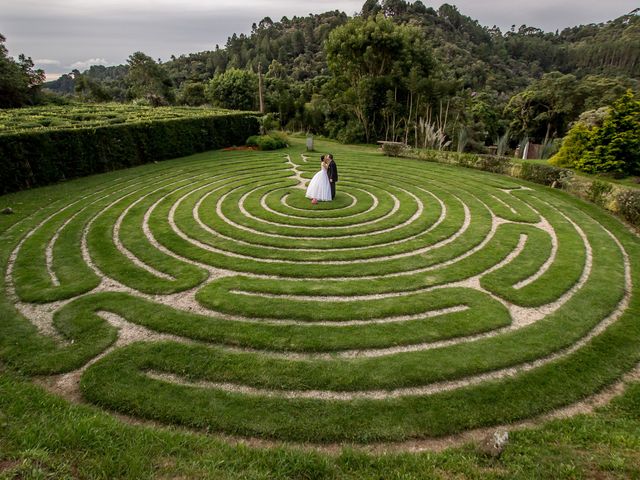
{"x": 332, "y": 172}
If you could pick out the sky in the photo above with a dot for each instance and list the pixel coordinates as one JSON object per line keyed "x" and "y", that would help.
{"x": 60, "y": 35}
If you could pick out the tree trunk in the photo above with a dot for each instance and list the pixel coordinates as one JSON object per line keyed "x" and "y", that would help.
{"x": 260, "y": 92}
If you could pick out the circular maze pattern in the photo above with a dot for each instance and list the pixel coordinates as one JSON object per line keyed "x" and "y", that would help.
{"x": 425, "y": 300}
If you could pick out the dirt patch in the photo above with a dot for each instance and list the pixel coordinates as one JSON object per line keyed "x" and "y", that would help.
{"x": 244, "y": 147}
{"x": 8, "y": 464}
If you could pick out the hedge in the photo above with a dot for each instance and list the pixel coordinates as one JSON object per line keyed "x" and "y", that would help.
{"x": 38, "y": 158}
{"x": 618, "y": 199}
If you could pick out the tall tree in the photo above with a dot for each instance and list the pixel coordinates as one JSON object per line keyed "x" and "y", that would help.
{"x": 19, "y": 81}
{"x": 370, "y": 57}
{"x": 235, "y": 89}
{"x": 148, "y": 79}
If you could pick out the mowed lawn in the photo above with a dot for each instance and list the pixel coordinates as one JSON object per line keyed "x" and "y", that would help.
{"x": 211, "y": 322}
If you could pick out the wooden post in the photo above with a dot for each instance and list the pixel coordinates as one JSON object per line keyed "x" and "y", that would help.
{"x": 260, "y": 93}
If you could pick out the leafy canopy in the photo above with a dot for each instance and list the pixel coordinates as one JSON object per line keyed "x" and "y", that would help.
{"x": 19, "y": 81}
{"x": 234, "y": 89}
{"x": 612, "y": 147}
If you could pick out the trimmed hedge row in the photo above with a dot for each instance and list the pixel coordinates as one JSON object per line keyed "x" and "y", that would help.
{"x": 623, "y": 201}
{"x": 34, "y": 159}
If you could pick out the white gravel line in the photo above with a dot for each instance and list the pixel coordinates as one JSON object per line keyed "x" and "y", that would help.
{"x": 393, "y": 211}
{"x": 211, "y": 231}
{"x": 125, "y": 251}
{"x": 283, "y": 201}
{"x": 547, "y": 227}
{"x": 424, "y": 390}
{"x": 505, "y": 204}
{"x": 267, "y": 208}
{"x": 297, "y": 175}
{"x": 214, "y": 272}
{"x": 51, "y": 244}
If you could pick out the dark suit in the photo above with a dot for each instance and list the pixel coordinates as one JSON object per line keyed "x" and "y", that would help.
{"x": 332, "y": 172}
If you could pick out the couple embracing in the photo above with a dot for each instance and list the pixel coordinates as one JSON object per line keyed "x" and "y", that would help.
{"x": 322, "y": 186}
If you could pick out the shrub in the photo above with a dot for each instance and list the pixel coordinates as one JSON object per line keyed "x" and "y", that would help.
{"x": 40, "y": 157}
{"x": 281, "y": 137}
{"x": 492, "y": 163}
{"x": 266, "y": 142}
{"x": 612, "y": 147}
{"x": 545, "y": 174}
{"x": 615, "y": 147}
{"x": 192, "y": 94}
{"x": 598, "y": 190}
{"x": 574, "y": 146}
{"x": 393, "y": 149}
{"x": 628, "y": 202}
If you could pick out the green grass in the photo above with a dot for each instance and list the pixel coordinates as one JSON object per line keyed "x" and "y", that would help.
{"x": 43, "y": 436}
{"x": 291, "y": 287}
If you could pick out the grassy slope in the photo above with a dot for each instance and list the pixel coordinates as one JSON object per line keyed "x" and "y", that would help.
{"x": 42, "y": 436}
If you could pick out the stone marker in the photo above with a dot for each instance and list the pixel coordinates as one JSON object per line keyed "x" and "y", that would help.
{"x": 493, "y": 444}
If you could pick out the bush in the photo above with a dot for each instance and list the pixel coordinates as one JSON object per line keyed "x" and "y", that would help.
{"x": 615, "y": 147}
{"x": 598, "y": 191}
{"x": 393, "y": 149}
{"x": 612, "y": 147}
{"x": 492, "y": 163}
{"x": 545, "y": 174}
{"x": 574, "y": 146}
{"x": 267, "y": 142}
{"x": 41, "y": 157}
{"x": 628, "y": 202}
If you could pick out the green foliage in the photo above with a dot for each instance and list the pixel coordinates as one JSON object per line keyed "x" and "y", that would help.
{"x": 574, "y": 146}
{"x": 610, "y": 147}
{"x": 599, "y": 190}
{"x": 393, "y": 149}
{"x": 379, "y": 68}
{"x": 544, "y": 174}
{"x": 478, "y": 70}
{"x": 628, "y": 202}
{"x": 192, "y": 94}
{"x": 267, "y": 142}
{"x": 19, "y": 82}
{"x": 545, "y": 108}
{"x": 148, "y": 80}
{"x": 90, "y": 90}
{"x": 91, "y": 116}
{"x": 39, "y": 156}
{"x": 615, "y": 147}
{"x": 234, "y": 89}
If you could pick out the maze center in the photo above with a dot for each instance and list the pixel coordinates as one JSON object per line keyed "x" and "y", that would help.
{"x": 425, "y": 300}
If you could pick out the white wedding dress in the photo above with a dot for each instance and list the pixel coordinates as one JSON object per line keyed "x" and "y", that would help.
{"x": 319, "y": 186}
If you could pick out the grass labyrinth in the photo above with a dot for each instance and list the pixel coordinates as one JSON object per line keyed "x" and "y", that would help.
{"x": 425, "y": 300}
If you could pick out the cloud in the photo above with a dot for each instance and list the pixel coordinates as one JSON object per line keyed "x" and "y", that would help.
{"x": 70, "y": 30}
{"x": 85, "y": 64}
{"x": 46, "y": 61}
{"x": 52, "y": 76}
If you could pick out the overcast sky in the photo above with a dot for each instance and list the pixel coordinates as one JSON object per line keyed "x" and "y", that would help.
{"x": 64, "y": 34}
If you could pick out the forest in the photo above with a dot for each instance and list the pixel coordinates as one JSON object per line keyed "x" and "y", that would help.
{"x": 397, "y": 71}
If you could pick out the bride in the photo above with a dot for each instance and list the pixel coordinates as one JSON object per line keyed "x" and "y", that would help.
{"x": 319, "y": 188}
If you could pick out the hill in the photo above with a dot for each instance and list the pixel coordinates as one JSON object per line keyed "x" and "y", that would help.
{"x": 476, "y": 71}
